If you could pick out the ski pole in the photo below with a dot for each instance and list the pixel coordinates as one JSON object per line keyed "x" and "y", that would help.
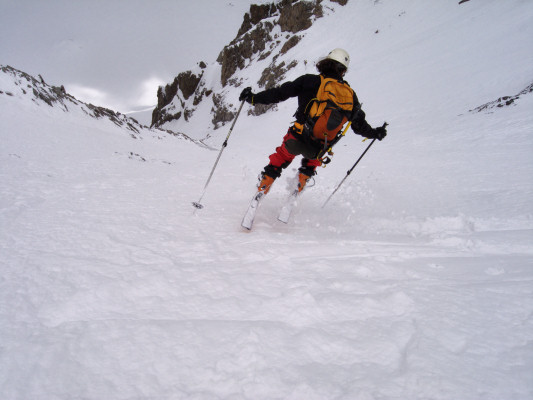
{"x": 351, "y": 169}
{"x": 197, "y": 204}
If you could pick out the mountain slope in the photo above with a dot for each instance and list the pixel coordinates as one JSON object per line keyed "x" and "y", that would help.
{"x": 415, "y": 282}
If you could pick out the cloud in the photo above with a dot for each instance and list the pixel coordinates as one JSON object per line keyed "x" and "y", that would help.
{"x": 88, "y": 95}
{"x": 148, "y": 92}
{"x": 144, "y": 96}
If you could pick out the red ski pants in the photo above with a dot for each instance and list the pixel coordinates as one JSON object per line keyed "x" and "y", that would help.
{"x": 285, "y": 153}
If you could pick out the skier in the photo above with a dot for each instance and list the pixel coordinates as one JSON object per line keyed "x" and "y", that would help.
{"x": 299, "y": 139}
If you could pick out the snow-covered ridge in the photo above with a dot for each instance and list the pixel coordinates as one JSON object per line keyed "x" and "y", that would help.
{"x": 22, "y": 87}
{"x": 20, "y": 84}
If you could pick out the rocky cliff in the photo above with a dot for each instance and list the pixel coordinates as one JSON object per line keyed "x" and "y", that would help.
{"x": 267, "y": 32}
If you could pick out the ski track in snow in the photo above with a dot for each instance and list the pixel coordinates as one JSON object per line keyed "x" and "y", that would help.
{"x": 415, "y": 282}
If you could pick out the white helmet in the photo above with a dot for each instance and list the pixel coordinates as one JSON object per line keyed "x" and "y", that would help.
{"x": 340, "y": 56}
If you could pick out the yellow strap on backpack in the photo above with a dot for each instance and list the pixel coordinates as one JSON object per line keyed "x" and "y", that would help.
{"x": 298, "y": 128}
{"x": 346, "y": 129}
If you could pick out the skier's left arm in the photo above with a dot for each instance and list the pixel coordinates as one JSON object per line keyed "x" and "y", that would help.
{"x": 361, "y": 127}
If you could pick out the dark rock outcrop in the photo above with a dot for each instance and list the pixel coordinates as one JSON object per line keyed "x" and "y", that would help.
{"x": 255, "y": 33}
{"x": 297, "y": 17}
{"x": 234, "y": 56}
{"x": 503, "y": 101}
{"x": 185, "y": 83}
{"x": 220, "y": 111}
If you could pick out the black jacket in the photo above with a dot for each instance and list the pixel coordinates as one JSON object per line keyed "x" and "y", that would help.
{"x": 305, "y": 88}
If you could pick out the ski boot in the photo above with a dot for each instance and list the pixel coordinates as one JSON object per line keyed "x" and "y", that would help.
{"x": 302, "y": 181}
{"x": 265, "y": 182}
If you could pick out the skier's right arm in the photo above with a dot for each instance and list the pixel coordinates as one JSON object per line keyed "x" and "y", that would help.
{"x": 274, "y": 95}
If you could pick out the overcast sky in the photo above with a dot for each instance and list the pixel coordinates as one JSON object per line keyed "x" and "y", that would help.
{"x": 114, "y": 53}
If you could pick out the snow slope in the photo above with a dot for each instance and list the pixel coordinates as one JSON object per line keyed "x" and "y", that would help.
{"x": 415, "y": 282}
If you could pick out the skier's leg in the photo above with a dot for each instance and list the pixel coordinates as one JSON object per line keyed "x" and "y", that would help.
{"x": 279, "y": 160}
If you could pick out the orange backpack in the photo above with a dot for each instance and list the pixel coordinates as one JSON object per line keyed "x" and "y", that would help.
{"x": 331, "y": 108}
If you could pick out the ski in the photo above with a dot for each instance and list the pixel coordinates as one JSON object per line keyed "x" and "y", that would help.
{"x": 249, "y": 217}
{"x": 287, "y": 208}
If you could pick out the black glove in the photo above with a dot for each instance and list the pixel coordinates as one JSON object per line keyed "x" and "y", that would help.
{"x": 247, "y": 95}
{"x": 378, "y": 133}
